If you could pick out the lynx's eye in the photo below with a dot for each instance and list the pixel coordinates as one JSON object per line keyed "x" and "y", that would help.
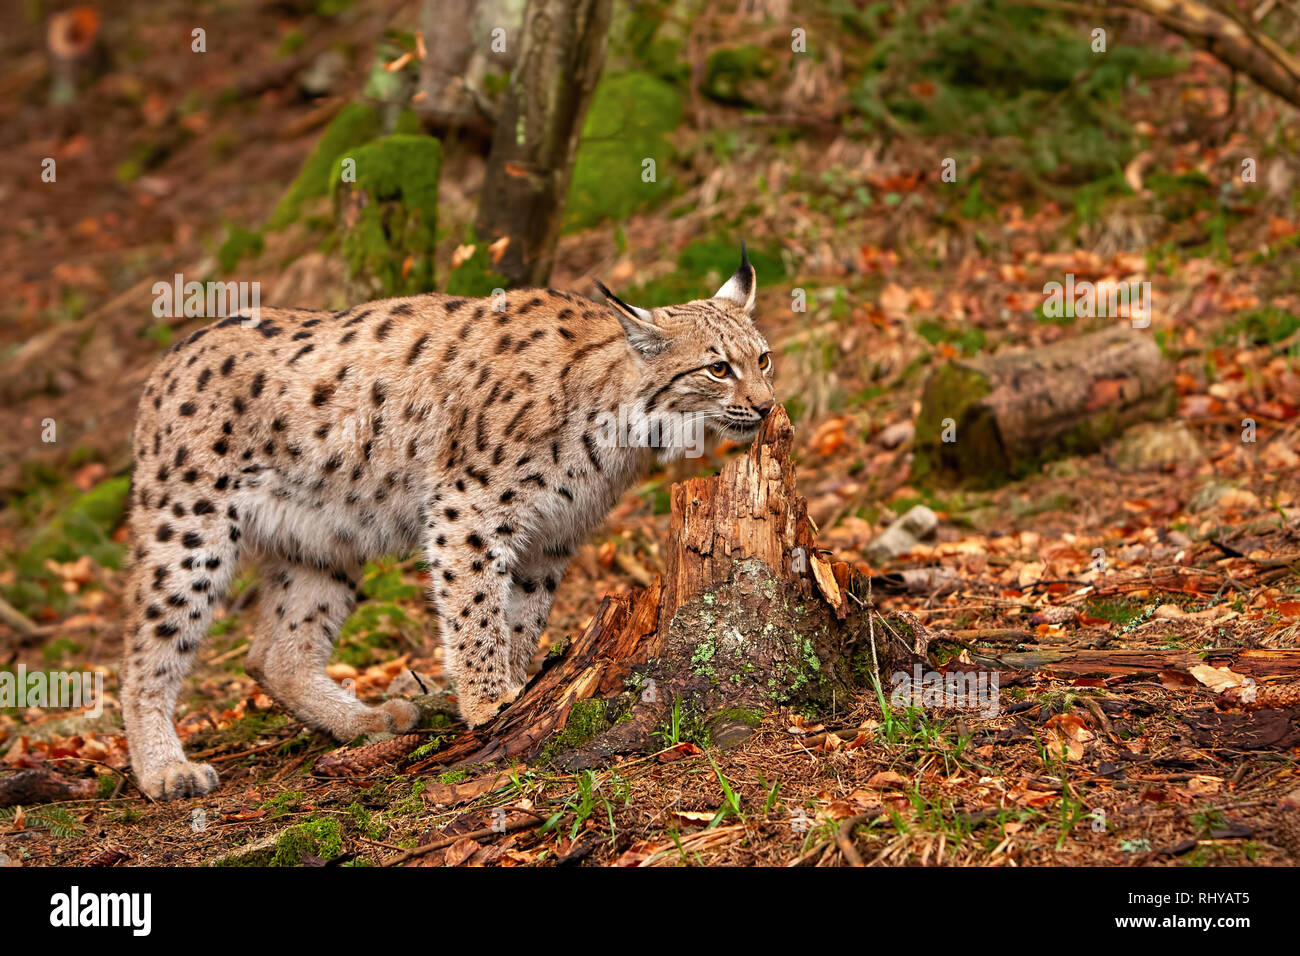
{"x": 765, "y": 362}
{"x": 719, "y": 370}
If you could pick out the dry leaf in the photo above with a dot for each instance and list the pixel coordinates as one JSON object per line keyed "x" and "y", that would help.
{"x": 1218, "y": 679}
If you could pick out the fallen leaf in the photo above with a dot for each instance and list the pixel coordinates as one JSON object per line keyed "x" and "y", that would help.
{"x": 1218, "y": 679}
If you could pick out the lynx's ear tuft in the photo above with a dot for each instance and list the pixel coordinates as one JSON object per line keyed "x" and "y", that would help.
{"x": 742, "y": 287}
{"x": 642, "y": 334}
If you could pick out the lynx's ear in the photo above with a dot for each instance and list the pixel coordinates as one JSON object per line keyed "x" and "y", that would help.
{"x": 638, "y": 324}
{"x": 742, "y": 287}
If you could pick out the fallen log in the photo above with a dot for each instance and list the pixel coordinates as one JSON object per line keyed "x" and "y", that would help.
{"x": 747, "y": 617}
{"x": 1121, "y": 665}
{"x": 991, "y": 418}
{"x": 40, "y": 785}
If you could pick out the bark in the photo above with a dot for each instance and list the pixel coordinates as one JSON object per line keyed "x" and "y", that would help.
{"x": 747, "y": 617}
{"x": 1136, "y": 664}
{"x": 1230, "y": 41}
{"x": 1003, "y": 415}
{"x": 446, "y": 29}
{"x": 562, "y": 50}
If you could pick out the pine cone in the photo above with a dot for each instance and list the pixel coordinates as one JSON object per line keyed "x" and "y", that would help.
{"x": 1262, "y": 697}
{"x": 360, "y": 761}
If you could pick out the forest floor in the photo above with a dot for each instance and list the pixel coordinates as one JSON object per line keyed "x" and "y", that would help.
{"x": 1106, "y": 748}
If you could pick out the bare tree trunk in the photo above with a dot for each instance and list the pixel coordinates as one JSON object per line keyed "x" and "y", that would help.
{"x": 562, "y": 50}
{"x": 446, "y": 28}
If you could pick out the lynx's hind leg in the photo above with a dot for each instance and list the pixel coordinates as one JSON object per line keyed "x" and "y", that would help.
{"x": 301, "y": 611}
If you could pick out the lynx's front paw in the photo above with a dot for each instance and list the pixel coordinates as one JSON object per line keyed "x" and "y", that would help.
{"x": 179, "y": 779}
{"x": 479, "y": 710}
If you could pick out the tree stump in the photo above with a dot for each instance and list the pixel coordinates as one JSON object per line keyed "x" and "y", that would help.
{"x": 385, "y": 197}
{"x": 747, "y": 617}
{"x": 992, "y": 418}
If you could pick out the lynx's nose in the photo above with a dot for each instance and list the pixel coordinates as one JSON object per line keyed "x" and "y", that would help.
{"x": 765, "y": 408}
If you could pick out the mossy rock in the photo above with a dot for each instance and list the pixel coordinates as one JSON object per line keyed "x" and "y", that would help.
{"x": 628, "y": 122}
{"x": 734, "y": 74}
{"x": 388, "y": 218}
{"x": 357, "y": 123}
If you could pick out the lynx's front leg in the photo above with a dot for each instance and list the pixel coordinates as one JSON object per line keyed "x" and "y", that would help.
{"x": 532, "y": 592}
{"x": 471, "y": 590}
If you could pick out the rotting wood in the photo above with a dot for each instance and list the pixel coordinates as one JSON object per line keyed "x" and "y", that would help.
{"x": 747, "y": 617}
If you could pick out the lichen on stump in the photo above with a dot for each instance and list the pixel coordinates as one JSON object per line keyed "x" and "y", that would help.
{"x": 747, "y": 617}
{"x": 992, "y": 418}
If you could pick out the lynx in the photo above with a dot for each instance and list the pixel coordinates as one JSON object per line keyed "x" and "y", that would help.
{"x": 474, "y": 429}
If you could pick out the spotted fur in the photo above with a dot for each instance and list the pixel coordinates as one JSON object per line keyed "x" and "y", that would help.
{"x": 315, "y": 441}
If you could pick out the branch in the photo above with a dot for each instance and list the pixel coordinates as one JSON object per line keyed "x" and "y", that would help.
{"x": 1259, "y": 57}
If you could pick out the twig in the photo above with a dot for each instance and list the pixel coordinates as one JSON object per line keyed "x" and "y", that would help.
{"x": 1099, "y": 714}
{"x": 844, "y": 836}
{"x": 485, "y": 833}
{"x": 17, "y": 620}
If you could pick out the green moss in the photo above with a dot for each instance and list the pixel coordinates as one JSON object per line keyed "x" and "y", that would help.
{"x": 356, "y": 123}
{"x": 239, "y": 242}
{"x": 1121, "y": 611}
{"x": 392, "y": 241}
{"x": 702, "y": 659}
{"x": 991, "y": 69}
{"x": 452, "y": 776}
{"x": 474, "y": 278}
{"x": 586, "y": 719}
{"x": 319, "y": 837}
{"x": 83, "y": 527}
{"x": 702, "y": 266}
{"x": 252, "y": 727}
{"x": 290, "y": 43}
{"x": 628, "y": 122}
{"x": 751, "y": 716}
{"x": 283, "y": 803}
{"x": 1260, "y": 327}
{"x": 966, "y": 339}
{"x": 412, "y": 804}
{"x": 366, "y": 822}
{"x": 651, "y": 34}
{"x": 731, "y": 73}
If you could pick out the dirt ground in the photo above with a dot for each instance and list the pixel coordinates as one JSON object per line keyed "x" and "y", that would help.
{"x": 1106, "y": 749}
